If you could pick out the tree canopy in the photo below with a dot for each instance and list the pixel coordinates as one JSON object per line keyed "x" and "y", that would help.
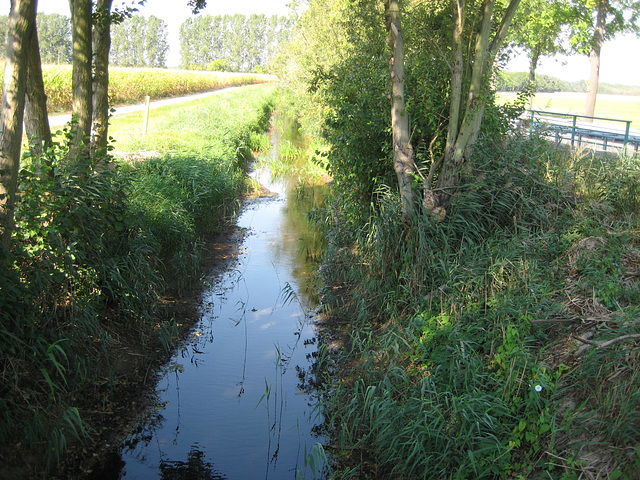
{"x": 538, "y": 27}
{"x": 594, "y": 22}
{"x": 339, "y": 53}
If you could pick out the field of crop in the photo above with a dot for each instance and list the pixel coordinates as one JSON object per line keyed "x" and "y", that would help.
{"x": 132, "y": 85}
{"x": 608, "y": 106}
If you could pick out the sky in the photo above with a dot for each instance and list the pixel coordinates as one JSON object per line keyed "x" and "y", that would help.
{"x": 618, "y": 63}
{"x": 619, "y": 56}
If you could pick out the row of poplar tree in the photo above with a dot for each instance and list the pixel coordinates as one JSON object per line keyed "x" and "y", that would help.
{"x": 237, "y": 43}
{"x": 136, "y": 42}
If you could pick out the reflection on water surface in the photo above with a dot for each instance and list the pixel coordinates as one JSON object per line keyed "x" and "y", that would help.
{"x": 232, "y": 407}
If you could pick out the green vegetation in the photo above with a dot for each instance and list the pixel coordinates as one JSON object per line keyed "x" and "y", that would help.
{"x": 296, "y": 156}
{"x": 139, "y": 42}
{"x": 496, "y": 338}
{"x": 54, "y": 34}
{"x": 99, "y": 245}
{"x": 484, "y": 345}
{"x": 236, "y": 43}
{"x": 517, "y": 81}
{"x": 486, "y": 318}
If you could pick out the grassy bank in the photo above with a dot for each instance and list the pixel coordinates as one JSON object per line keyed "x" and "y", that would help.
{"x": 131, "y": 85}
{"x": 501, "y": 342}
{"x": 97, "y": 254}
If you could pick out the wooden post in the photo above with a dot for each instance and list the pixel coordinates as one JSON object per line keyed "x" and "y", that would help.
{"x": 146, "y": 116}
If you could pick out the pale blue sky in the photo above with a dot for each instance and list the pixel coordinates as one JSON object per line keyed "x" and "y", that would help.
{"x": 619, "y": 57}
{"x": 619, "y": 63}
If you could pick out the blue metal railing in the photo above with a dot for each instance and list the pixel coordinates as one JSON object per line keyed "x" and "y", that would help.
{"x": 565, "y": 126}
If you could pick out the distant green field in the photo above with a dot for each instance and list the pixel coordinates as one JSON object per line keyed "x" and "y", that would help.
{"x": 607, "y": 106}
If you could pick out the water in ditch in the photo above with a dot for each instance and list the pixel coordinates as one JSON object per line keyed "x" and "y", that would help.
{"x": 231, "y": 401}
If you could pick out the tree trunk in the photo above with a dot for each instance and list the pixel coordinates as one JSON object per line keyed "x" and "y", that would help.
{"x": 461, "y": 136}
{"x": 431, "y": 200}
{"x": 464, "y": 128}
{"x": 81, "y": 77}
{"x": 101, "y": 47}
{"x": 21, "y": 21}
{"x": 36, "y": 120}
{"x": 533, "y": 65}
{"x": 403, "y": 157}
{"x": 596, "y": 48}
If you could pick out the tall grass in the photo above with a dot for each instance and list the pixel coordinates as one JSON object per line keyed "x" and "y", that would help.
{"x": 193, "y": 184}
{"x": 459, "y": 362}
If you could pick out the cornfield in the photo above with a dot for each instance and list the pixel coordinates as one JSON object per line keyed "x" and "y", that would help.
{"x": 132, "y": 85}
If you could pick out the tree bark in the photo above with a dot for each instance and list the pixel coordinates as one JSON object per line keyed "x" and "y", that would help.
{"x": 533, "y": 66}
{"x": 466, "y": 118}
{"x": 101, "y": 47}
{"x": 21, "y": 21}
{"x": 81, "y": 76}
{"x": 594, "y": 55}
{"x": 461, "y": 136}
{"x": 36, "y": 120}
{"x": 403, "y": 156}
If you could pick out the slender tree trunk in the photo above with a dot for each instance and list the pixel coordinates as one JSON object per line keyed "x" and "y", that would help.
{"x": 461, "y": 137}
{"x": 81, "y": 77}
{"x": 21, "y": 21}
{"x": 596, "y": 48}
{"x": 457, "y": 69}
{"x": 36, "y": 120}
{"x": 433, "y": 201}
{"x": 464, "y": 127}
{"x": 101, "y": 47}
{"x": 533, "y": 66}
{"x": 403, "y": 157}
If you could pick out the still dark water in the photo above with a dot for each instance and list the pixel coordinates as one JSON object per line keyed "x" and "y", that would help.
{"x": 232, "y": 406}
